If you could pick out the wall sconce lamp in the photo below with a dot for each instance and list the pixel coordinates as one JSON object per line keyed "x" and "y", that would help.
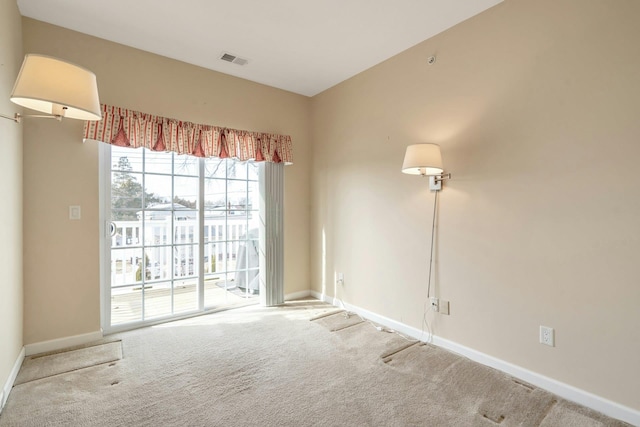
{"x": 425, "y": 160}
{"x": 55, "y": 87}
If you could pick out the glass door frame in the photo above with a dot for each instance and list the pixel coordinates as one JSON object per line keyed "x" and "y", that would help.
{"x": 105, "y": 181}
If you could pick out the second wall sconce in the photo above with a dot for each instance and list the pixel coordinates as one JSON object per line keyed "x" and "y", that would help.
{"x": 425, "y": 160}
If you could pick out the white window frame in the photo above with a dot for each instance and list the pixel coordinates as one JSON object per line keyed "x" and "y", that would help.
{"x": 271, "y": 277}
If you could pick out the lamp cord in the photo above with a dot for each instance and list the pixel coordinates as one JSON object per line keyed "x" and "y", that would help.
{"x": 433, "y": 229}
{"x": 427, "y": 303}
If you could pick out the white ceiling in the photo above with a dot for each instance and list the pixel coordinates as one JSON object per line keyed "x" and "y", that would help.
{"x": 303, "y": 46}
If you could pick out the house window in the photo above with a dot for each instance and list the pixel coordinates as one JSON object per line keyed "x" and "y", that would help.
{"x": 183, "y": 235}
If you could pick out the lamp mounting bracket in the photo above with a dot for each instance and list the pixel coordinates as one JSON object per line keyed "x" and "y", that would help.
{"x": 435, "y": 181}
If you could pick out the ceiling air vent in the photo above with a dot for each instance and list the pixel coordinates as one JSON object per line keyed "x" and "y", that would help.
{"x": 233, "y": 59}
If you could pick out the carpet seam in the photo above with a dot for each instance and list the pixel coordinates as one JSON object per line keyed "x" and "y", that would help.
{"x": 393, "y": 353}
{"x": 68, "y": 372}
{"x": 348, "y": 326}
{"x": 552, "y": 405}
{"x": 322, "y": 316}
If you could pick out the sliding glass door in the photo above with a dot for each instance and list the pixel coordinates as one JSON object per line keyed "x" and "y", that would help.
{"x": 231, "y": 231}
{"x": 183, "y": 235}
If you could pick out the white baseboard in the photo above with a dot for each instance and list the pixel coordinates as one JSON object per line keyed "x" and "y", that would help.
{"x": 297, "y": 295}
{"x": 8, "y": 385}
{"x": 558, "y": 388}
{"x": 60, "y": 343}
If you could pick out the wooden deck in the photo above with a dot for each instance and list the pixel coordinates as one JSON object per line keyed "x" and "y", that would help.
{"x": 157, "y": 302}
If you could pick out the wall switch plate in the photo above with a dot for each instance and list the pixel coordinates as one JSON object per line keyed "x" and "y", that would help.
{"x": 547, "y": 336}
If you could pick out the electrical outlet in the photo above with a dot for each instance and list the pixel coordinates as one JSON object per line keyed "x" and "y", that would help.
{"x": 340, "y": 278}
{"x": 443, "y": 307}
{"x": 75, "y": 212}
{"x": 435, "y": 304}
{"x": 547, "y": 336}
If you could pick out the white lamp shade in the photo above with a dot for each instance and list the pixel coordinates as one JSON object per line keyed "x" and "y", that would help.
{"x": 423, "y": 159}
{"x": 57, "y": 87}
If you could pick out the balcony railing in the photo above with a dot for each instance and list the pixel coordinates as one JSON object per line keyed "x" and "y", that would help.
{"x": 170, "y": 248}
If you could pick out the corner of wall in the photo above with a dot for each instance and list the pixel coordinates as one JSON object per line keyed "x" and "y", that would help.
{"x": 8, "y": 385}
{"x": 11, "y": 183}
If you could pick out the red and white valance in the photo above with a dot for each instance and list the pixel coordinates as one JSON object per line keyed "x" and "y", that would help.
{"x": 128, "y": 128}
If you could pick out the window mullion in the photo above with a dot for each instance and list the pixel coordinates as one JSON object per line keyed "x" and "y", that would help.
{"x": 173, "y": 233}
{"x": 143, "y": 275}
{"x": 226, "y": 223}
{"x": 200, "y": 206}
{"x": 246, "y": 234}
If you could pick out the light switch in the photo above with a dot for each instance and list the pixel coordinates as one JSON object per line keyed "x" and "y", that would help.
{"x": 75, "y": 212}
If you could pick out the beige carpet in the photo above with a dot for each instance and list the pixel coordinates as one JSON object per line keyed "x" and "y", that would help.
{"x": 277, "y": 367}
{"x": 47, "y": 365}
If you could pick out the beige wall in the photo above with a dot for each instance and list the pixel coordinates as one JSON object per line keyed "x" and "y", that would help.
{"x": 536, "y": 106}
{"x": 62, "y": 271}
{"x": 11, "y": 191}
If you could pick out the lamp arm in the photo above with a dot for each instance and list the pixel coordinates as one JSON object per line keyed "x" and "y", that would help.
{"x": 18, "y": 117}
{"x": 437, "y": 178}
{"x": 14, "y": 118}
{"x": 442, "y": 177}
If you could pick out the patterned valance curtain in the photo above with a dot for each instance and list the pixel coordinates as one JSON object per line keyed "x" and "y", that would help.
{"x": 128, "y": 128}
